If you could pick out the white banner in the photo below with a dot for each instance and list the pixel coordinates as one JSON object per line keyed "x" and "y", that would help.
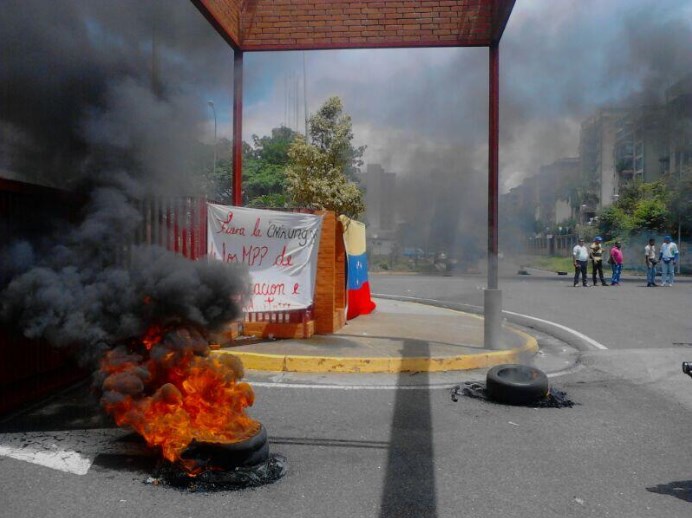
{"x": 279, "y": 249}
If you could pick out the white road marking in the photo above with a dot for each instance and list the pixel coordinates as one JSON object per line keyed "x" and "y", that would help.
{"x": 576, "y": 333}
{"x": 71, "y": 451}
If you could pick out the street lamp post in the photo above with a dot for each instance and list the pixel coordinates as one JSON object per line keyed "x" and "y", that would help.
{"x": 213, "y": 109}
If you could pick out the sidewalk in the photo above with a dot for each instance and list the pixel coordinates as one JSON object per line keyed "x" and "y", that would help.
{"x": 397, "y": 337}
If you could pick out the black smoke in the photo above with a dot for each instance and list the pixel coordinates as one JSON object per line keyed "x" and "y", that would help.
{"x": 107, "y": 100}
{"x": 135, "y": 74}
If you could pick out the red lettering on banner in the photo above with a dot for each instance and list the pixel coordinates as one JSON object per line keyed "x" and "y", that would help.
{"x": 228, "y": 257}
{"x": 295, "y": 289}
{"x": 254, "y": 255}
{"x": 268, "y": 288}
{"x": 282, "y": 259}
{"x": 256, "y": 232}
{"x": 228, "y": 228}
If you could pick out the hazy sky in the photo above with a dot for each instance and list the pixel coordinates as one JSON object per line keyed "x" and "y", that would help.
{"x": 560, "y": 60}
{"x": 77, "y": 73}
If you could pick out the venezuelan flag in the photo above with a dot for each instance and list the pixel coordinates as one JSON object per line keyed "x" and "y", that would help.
{"x": 359, "y": 301}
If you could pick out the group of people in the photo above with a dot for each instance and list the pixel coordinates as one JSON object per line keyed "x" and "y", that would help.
{"x": 667, "y": 256}
{"x": 581, "y": 256}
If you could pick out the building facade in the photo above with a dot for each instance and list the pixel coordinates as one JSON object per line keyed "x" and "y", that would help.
{"x": 380, "y": 189}
{"x": 596, "y": 151}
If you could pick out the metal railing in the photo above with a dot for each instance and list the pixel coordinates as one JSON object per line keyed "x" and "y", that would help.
{"x": 180, "y": 225}
{"x": 557, "y": 245}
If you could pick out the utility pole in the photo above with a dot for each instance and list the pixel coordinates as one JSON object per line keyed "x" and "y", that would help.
{"x": 213, "y": 109}
{"x": 305, "y": 97}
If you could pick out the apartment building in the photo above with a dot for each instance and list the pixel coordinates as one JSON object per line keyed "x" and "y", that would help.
{"x": 380, "y": 212}
{"x": 596, "y": 144}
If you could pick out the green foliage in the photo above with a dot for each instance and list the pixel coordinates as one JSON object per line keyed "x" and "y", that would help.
{"x": 680, "y": 198}
{"x": 640, "y": 207}
{"x": 274, "y": 149}
{"x": 264, "y": 182}
{"x": 317, "y": 172}
{"x": 331, "y": 131}
{"x": 261, "y": 179}
{"x": 613, "y": 221}
{"x": 651, "y": 214}
{"x": 269, "y": 201}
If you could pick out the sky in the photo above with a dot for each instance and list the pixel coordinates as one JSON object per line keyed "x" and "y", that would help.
{"x": 560, "y": 61}
{"x": 77, "y": 75}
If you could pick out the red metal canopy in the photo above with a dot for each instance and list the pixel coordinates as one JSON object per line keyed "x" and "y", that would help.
{"x": 260, "y": 25}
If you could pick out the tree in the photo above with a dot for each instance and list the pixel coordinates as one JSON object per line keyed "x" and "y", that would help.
{"x": 613, "y": 222}
{"x": 641, "y": 207}
{"x": 680, "y": 203}
{"x": 318, "y": 171}
{"x": 264, "y": 182}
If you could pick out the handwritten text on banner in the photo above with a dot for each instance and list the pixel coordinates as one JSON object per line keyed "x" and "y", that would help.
{"x": 279, "y": 249}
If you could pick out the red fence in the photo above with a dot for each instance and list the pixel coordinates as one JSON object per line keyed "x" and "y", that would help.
{"x": 177, "y": 224}
{"x": 31, "y": 369}
{"x": 180, "y": 225}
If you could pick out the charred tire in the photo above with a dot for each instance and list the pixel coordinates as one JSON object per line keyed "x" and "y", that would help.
{"x": 516, "y": 384}
{"x": 250, "y": 452}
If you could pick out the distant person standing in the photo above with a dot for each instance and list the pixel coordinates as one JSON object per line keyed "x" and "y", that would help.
{"x": 580, "y": 258}
{"x": 668, "y": 257}
{"x": 596, "y": 255}
{"x": 650, "y": 261}
{"x": 616, "y": 263}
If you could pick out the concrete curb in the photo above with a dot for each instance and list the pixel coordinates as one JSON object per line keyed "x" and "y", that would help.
{"x": 570, "y": 337}
{"x": 385, "y": 365}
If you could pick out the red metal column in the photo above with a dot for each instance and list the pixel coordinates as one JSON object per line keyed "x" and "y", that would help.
{"x": 202, "y": 227}
{"x": 492, "y": 296}
{"x": 493, "y": 164}
{"x": 237, "y": 127}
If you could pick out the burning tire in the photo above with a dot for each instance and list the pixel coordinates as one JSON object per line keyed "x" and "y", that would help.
{"x": 516, "y": 384}
{"x": 243, "y": 454}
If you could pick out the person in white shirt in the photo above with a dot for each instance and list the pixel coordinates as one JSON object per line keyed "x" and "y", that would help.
{"x": 580, "y": 258}
{"x": 668, "y": 257}
{"x": 650, "y": 263}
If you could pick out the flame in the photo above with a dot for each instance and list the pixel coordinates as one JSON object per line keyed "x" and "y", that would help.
{"x": 152, "y": 336}
{"x": 174, "y": 395}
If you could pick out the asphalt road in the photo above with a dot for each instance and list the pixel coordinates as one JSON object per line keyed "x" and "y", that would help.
{"x": 356, "y": 449}
{"x": 628, "y": 316}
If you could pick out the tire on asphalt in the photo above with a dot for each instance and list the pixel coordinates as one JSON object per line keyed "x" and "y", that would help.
{"x": 516, "y": 384}
{"x": 248, "y": 452}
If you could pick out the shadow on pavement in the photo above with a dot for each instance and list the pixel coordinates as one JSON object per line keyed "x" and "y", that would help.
{"x": 409, "y": 486}
{"x": 75, "y": 408}
{"x": 681, "y": 489}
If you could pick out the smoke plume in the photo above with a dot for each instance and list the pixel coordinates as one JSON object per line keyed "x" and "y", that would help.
{"x": 109, "y": 100}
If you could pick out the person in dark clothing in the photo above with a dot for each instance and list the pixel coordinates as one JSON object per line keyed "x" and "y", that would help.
{"x": 596, "y": 256}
